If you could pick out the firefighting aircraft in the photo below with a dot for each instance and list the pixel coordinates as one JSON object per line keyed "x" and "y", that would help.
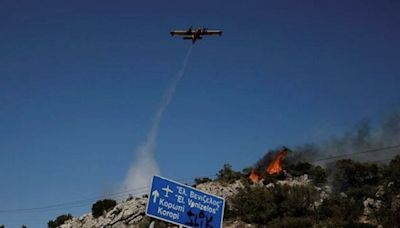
{"x": 195, "y": 34}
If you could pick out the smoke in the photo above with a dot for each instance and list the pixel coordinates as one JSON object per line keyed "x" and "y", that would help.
{"x": 365, "y": 137}
{"x": 366, "y": 143}
{"x": 145, "y": 166}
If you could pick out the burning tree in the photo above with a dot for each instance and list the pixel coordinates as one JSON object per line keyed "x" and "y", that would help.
{"x": 255, "y": 177}
{"x": 276, "y": 166}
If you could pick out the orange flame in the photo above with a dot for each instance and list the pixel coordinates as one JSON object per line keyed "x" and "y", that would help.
{"x": 255, "y": 177}
{"x": 275, "y": 167}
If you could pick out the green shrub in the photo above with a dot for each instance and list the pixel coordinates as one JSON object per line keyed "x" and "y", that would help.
{"x": 316, "y": 173}
{"x": 261, "y": 205}
{"x": 289, "y": 222}
{"x": 300, "y": 168}
{"x": 330, "y": 223}
{"x": 342, "y": 208}
{"x": 102, "y": 206}
{"x": 246, "y": 205}
{"x": 384, "y": 216}
{"x": 228, "y": 175}
{"x": 361, "y": 193}
{"x": 352, "y": 174}
{"x": 394, "y": 169}
{"x": 337, "y": 222}
{"x": 358, "y": 225}
{"x": 59, "y": 221}
{"x": 201, "y": 180}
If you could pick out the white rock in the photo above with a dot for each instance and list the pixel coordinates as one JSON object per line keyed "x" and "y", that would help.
{"x": 380, "y": 191}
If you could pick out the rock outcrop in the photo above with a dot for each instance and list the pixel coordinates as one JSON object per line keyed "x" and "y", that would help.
{"x": 130, "y": 213}
{"x": 223, "y": 190}
{"x": 125, "y": 214}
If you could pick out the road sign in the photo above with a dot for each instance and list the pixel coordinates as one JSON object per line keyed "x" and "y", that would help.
{"x": 183, "y": 205}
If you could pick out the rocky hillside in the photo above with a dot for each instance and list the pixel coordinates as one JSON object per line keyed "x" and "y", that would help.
{"x": 347, "y": 194}
{"x": 131, "y": 213}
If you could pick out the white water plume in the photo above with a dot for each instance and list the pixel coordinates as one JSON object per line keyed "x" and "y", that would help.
{"x": 145, "y": 166}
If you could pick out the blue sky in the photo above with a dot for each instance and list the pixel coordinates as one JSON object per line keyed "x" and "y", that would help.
{"x": 80, "y": 81}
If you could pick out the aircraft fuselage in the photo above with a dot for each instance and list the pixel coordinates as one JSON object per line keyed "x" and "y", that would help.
{"x": 195, "y": 34}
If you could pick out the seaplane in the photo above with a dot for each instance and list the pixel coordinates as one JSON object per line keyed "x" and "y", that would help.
{"x": 195, "y": 34}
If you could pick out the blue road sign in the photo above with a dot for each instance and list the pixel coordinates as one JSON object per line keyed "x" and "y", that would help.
{"x": 183, "y": 205}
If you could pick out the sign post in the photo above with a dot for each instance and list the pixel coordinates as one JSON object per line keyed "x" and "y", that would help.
{"x": 183, "y": 205}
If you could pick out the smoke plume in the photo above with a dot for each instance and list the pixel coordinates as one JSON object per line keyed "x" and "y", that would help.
{"x": 379, "y": 143}
{"x": 366, "y": 142}
{"x": 145, "y": 166}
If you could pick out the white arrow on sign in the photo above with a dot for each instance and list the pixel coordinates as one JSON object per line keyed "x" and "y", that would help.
{"x": 155, "y": 195}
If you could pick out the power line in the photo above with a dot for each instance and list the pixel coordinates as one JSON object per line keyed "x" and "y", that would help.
{"x": 72, "y": 202}
{"x": 77, "y": 203}
{"x": 85, "y": 202}
{"x": 356, "y": 153}
{"x": 142, "y": 190}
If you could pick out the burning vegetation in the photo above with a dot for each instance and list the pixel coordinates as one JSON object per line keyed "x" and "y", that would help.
{"x": 346, "y": 193}
{"x": 255, "y": 177}
{"x": 276, "y": 166}
{"x": 285, "y": 188}
{"x": 358, "y": 194}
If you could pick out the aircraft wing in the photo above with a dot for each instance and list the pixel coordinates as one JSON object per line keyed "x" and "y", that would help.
{"x": 212, "y": 32}
{"x": 181, "y": 32}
